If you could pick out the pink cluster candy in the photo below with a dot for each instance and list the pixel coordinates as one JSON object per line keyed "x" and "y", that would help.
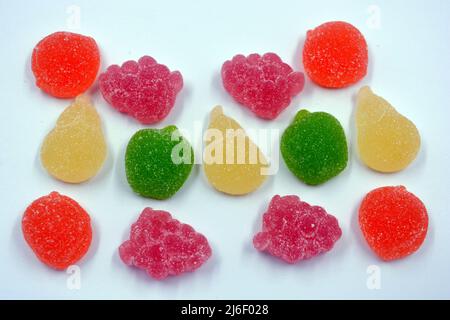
{"x": 145, "y": 89}
{"x": 264, "y": 84}
{"x": 293, "y": 230}
{"x": 163, "y": 246}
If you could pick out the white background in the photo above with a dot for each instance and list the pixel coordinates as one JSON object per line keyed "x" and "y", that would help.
{"x": 409, "y": 64}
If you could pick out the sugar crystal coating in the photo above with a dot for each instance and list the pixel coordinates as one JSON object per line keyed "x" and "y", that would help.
{"x": 264, "y": 84}
{"x": 233, "y": 164}
{"x": 314, "y": 147}
{"x": 387, "y": 141}
{"x": 75, "y": 150}
{"x": 57, "y": 229}
{"x": 158, "y": 162}
{"x": 65, "y": 64}
{"x": 163, "y": 246}
{"x": 394, "y": 222}
{"x": 145, "y": 90}
{"x": 293, "y": 230}
{"x": 335, "y": 55}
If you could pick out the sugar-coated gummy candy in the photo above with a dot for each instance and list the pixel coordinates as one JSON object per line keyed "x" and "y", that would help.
{"x": 264, "y": 84}
{"x": 65, "y": 64}
{"x": 387, "y": 141}
{"x": 233, "y": 164}
{"x": 293, "y": 230}
{"x": 75, "y": 150}
{"x": 394, "y": 222}
{"x": 158, "y": 162}
{"x": 314, "y": 147}
{"x": 57, "y": 229}
{"x": 145, "y": 90}
{"x": 335, "y": 55}
{"x": 163, "y": 246}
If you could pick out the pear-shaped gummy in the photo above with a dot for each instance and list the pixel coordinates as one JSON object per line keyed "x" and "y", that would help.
{"x": 233, "y": 164}
{"x": 75, "y": 150}
{"x": 387, "y": 141}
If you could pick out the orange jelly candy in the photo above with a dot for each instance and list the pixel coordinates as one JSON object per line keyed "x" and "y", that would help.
{"x": 65, "y": 64}
{"x": 335, "y": 55}
{"x": 393, "y": 221}
{"x": 57, "y": 229}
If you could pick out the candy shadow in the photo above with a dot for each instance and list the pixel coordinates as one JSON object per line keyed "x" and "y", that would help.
{"x": 297, "y": 63}
{"x": 356, "y": 230}
{"x": 95, "y": 243}
{"x": 29, "y": 78}
{"x": 227, "y": 100}
{"x": 181, "y": 102}
{"x": 120, "y": 170}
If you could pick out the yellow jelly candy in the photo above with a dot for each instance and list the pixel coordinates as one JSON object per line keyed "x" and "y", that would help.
{"x": 74, "y": 151}
{"x": 387, "y": 141}
{"x": 233, "y": 163}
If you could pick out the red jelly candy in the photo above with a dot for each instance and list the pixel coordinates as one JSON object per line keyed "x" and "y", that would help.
{"x": 145, "y": 89}
{"x": 264, "y": 84}
{"x": 335, "y": 55}
{"x": 65, "y": 64}
{"x": 57, "y": 229}
{"x": 293, "y": 230}
{"x": 394, "y": 222}
{"x": 163, "y": 246}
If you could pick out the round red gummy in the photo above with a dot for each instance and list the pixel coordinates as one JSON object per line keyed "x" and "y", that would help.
{"x": 164, "y": 246}
{"x": 393, "y": 221}
{"x": 57, "y": 229}
{"x": 65, "y": 64}
{"x": 335, "y": 55}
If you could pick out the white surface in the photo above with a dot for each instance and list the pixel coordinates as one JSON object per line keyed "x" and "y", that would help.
{"x": 409, "y": 65}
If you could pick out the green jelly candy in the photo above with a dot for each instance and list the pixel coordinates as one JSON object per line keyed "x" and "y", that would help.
{"x": 314, "y": 147}
{"x": 158, "y": 162}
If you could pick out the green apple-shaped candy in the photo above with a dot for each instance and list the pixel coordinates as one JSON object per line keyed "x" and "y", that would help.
{"x": 314, "y": 147}
{"x": 158, "y": 162}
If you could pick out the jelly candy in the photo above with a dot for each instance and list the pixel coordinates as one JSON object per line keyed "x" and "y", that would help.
{"x": 144, "y": 90}
{"x": 263, "y": 84}
{"x": 387, "y": 141}
{"x": 65, "y": 64}
{"x": 57, "y": 229}
{"x": 163, "y": 246}
{"x": 335, "y": 55}
{"x": 233, "y": 163}
{"x": 158, "y": 162}
{"x": 314, "y": 147}
{"x": 74, "y": 151}
{"x": 394, "y": 222}
{"x": 293, "y": 230}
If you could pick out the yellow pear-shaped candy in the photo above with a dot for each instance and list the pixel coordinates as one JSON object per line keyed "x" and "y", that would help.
{"x": 233, "y": 163}
{"x": 387, "y": 141}
{"x": 74, "y": 151}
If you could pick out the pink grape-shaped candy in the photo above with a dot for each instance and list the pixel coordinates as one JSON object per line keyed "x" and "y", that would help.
{"x": 264, "y": 84}
{"x": 164, "y": 246}
{"x": 144, "y": 90}
{"x": 293, "y": 230}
